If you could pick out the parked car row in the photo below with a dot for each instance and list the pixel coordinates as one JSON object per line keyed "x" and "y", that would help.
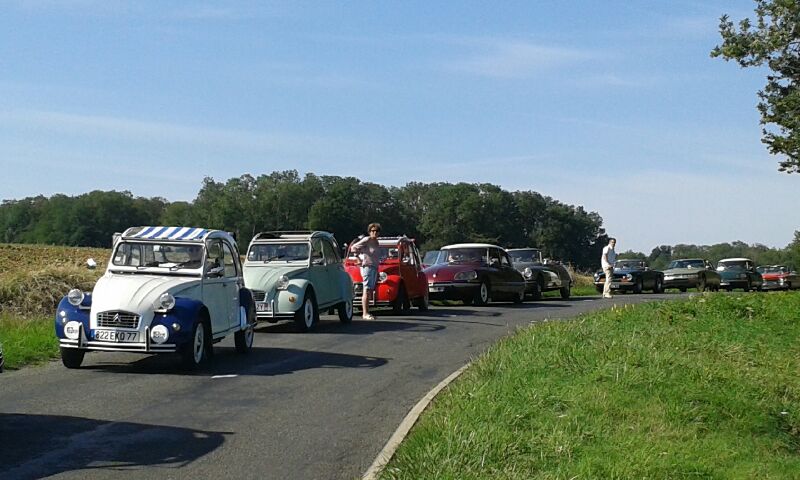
{"x": 181, "y": 289}
{"x": 730, "y": 273}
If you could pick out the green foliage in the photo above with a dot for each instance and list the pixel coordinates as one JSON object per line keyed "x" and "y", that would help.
{"x": 774, "y": 41}
{"x": 704, "y": 388}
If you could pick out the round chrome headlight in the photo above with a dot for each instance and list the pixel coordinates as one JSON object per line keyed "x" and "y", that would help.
{"x": 382, "y": 277}
{"x": 471, "y": 275}
{"x": 75, "y": 297}
{"x": 159, "y": 334}
{"x": 282, "y": 283}
{"x": 166, "y": 301}
{"x": 528, "y": 273}
{"x": 628, "y": 276}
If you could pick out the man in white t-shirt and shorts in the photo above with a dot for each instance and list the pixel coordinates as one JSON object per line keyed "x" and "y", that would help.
{"x": 607, "y": 261}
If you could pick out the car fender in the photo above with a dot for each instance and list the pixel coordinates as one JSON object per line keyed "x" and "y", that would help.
{"x": 184, "y": 314}
{"x": 66, "y": 312}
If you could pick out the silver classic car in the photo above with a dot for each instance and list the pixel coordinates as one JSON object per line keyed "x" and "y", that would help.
{"x": 540, "y": 275}
{"x": 691, "y": 273}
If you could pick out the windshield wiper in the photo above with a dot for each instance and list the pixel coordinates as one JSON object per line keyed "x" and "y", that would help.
{"x": 274, "y": 257}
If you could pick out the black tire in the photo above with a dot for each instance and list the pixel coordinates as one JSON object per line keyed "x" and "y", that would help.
{"x": 307, "y": 315}
{"x": 519, "y": 297}
{"x": 538, "y": 289}
{"x": 467, "y": 301}
{"x": 483, "y": 295}
{"x": 197, "y": 350}
{"x": 243, "y": 339}
{"x": 423, "y": 302}
{"x": 682, "y": 289}
{"x": 747, "y": 287}
{"x": 401, "y": 303}
{"x": 728, "y": 289}
{"x": 599, "y": 288}
{"x": 638, "y": 286}
{"x": 659, "y": 286}
{"x": 345, "y": 311}
{"x": 72, "y": 357}
{"x": 701, "y": 284}
{"x": 565, "y": 291}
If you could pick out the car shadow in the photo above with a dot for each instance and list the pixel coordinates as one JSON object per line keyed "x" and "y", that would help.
{"x": 259, "y": 361}
{"x": 356, "y": 327}
{"x": 37, "y": 446}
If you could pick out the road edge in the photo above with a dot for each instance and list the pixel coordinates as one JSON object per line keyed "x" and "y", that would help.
{"x": 411, "y": 418}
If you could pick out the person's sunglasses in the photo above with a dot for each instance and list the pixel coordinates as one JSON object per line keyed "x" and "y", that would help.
{"x": 373, "y": 230}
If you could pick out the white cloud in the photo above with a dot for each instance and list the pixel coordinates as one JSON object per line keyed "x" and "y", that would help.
{"x": 517, "y": 59}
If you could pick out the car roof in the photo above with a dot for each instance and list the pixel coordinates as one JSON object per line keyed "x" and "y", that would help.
{"x": 393, "y": 241}
{"x": 470, "y": 245}
{"x": 303, "y": 235}
{"x": 523, "y": 248}
{"x": 173, "y": 234}
{"x": 739, "y": 259}
{"x": 688, "y": 259}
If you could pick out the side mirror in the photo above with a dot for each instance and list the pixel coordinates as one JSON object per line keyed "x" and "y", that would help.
{"x": 317, "y": 261}
{"x": 494, "y": 261}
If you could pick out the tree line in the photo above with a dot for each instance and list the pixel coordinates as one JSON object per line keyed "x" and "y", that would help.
{"x": 436, "y": 214}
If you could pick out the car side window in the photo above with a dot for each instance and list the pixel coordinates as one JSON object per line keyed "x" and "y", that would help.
{"x": 230, "y": 262}
{"x": 214, "y": 257}
{"x": 494, "y": 256}
{"x": 316, "y": 251}
{"x": 505, "y": 261}
{"x": 330, "y": 253}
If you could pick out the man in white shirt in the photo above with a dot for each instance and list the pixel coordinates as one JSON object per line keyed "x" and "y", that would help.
{"x": 607, "y": 261}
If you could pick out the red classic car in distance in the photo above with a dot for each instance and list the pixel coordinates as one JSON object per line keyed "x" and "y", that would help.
{"x": 475, "y": 273}
{"x": 401, "y": 280}
{"x": 778, "y": 277}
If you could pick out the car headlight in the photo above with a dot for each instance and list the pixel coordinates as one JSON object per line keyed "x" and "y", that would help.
{"x": 165, "y": 302}
{"x": 527, "y": 273}
{"x": 382, "y": 277}
{"x": 159, "y": 334}
{"x": 282, "y": 283}
{"x": 471, "y": 275}
{"x": 628, "y": 277}
{"x": 75, "y": 297}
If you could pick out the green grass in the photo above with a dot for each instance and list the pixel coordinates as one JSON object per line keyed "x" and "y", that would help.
{"x": 703, "y": 388}
{"x": 27, "y": 340}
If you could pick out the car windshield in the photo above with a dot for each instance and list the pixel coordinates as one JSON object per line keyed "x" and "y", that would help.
{"x": 158, "y": 255}
{"x": 686, "y": 264}
{"x": 432, "y": 257}
{"x": 466, "y": 255}
{"x": 630, "y": 264}
{"x": 284, "y": 252}
{"x": 773, "y": 269}
{"x": 528, "y": 255}
{"x": 732, "y": 265}
{"x": 385, "y": 255}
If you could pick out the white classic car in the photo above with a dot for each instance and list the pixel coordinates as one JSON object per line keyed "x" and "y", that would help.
{"x": 166, "y": 289}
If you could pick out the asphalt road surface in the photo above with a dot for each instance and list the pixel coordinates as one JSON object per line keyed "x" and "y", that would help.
{"x": 318, "y": 405}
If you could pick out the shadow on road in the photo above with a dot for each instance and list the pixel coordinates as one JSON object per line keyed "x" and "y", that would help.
{"x": 36, "y": 446}
{"x": 357, "y": 327}
{"x": 260, "y": 361}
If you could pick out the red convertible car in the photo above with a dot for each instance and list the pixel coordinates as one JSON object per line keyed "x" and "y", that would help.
{"x": 475, "y": 273}
{"x": 401, "y": 280}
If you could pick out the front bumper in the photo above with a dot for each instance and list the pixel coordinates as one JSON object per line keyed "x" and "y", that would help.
{"x": 265, "y": 311}
{"x": 147, "y": 346}
{"x": 773, "y": 285}
{"x": 452, "y": 290}
{"x": 617, "y": 284}
{"x": 733, "y": 283}
{"x": 384, "y": 294}
{"x": 671, "y": 281}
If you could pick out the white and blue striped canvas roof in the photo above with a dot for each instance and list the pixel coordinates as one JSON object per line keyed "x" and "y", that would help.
{"x": 169, "y": 233}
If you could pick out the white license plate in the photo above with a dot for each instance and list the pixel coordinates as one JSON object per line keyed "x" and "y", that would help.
{"x": 263, "y": 307}
{"x": 436, "y": 289}
{"x": 115, "y": 336}
{"x": 615, "y": 285}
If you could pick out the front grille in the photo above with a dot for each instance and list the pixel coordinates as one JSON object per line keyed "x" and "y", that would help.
{"x": 358, "y": 289}
{"x": 259, "y": 295}
{"x": 118, "y": 320}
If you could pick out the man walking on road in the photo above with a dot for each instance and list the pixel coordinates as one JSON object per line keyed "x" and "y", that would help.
{"x": 607, "y": 261}
{"x": 368, "y": 247}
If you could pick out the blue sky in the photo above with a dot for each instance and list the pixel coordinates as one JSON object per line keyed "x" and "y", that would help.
{"x": 613, "y": 105}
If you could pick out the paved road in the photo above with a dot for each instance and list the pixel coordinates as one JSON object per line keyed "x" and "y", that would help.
{"x": 300, "y": 406}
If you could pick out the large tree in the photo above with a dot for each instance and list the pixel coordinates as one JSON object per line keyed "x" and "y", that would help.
{"x": 774, "y": 41}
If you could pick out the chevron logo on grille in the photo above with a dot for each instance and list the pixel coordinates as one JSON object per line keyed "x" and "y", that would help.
{"x": 116, "y": 318}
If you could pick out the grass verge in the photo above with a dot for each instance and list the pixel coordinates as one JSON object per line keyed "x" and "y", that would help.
{"x": 27, "y": 340}
{"x": 705, "y": 387}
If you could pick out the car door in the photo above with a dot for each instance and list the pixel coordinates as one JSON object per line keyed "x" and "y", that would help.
{"x": 408, "y": 269}
{"x": 215, "y": 287}
{"x": 333, "y": 269}
{"x": 233, "y": 281}
{"x": 514, "y": 280}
